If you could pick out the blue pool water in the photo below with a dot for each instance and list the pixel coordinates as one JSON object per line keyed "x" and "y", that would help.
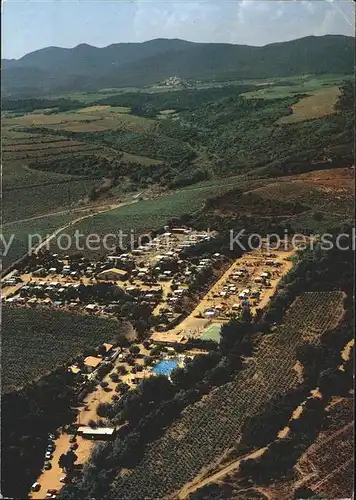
{"x": 165, "y": 367}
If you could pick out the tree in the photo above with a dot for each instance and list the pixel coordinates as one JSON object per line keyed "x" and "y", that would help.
{"x": 114, "y": 377}
{"x": 304, "y": 493}
{"x": 71, "y": 459}
{"x": 156, "y": 351}
{"x": 146, "y": 344}
{"x": 102, "y": 351}
{"x": 246, "y": 315}
{"x": 122, "y": 387}
{"x": 66, "y": 460}
{"x": 134, "y": 349}
{"x": 62, "y": 461}
{"x": 148, "y": 360}
{"x": 103, "y": 409}
{"x": 121, "y": 370}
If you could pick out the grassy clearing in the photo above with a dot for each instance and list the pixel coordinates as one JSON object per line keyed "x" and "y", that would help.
{"x": 35, "y": 342}
{"x": 114, "y": 121}
{"x": 320, "y": 104}
{"x": 167, "y": 111}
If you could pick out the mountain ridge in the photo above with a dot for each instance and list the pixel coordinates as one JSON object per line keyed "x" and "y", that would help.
{"x": 137, "y": 64}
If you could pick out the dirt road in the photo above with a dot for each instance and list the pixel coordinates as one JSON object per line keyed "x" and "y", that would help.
{"x": 198, "y": 483}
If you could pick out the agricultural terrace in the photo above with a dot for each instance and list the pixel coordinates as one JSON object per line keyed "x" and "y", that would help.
{"x": 41, "y": 192}
{"x": 317, "y": 105}
{"x": 54, "y": 170}
{"x": 206, "y": 429}
{"x": 59, "y": 195}
{"x": 91, "y": 119}
{"x": 35, "y": 342}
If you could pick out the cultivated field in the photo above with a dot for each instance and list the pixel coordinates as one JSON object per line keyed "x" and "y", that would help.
{"x": 206, "y": 429}
{"x": 18, "y": 234}
{"x": 45, "y": 191}
{"x": 91, "y": 119}
{"x": 320, "y": 103}
{"x": 35, "y": 342}
{"x": 291, "y": 86}
{"x": 328, "y": 464}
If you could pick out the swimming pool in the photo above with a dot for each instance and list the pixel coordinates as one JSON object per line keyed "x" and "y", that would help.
{"x": 165, "y": 367}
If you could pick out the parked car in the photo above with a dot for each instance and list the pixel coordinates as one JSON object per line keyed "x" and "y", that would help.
{"x": 52, "y": 491}
{"x": 48, "y": 455}
{"x": 74, "y": 446}
{"x": 63, "y": 479}
{"x": 72, "y": 439}
{"x": 47, "y": 465}
{"x": 51, "y": 436}
{"x": 36, "y": 486}
{"x": 50, "y": 447}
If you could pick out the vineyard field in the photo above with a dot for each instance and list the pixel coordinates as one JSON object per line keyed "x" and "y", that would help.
{"x": 35, "y": 342}
{"x": 207, "y": 428}
{"x": 332, "y": 454}
{"x": 19, "y": 233}
{"x": 44, "y": 198}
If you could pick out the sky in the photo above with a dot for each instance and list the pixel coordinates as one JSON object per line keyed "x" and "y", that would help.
{"x": 28, "y": 25}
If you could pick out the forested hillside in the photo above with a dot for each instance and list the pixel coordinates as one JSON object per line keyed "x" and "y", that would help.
{"x": 147, "y": 63}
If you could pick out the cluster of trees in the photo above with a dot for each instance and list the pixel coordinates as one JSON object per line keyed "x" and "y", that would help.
{"x": 27, "y": 416}
{"x": 149, "y": 104}
{"x": 91, "y": 166}
{"x": 100, "y": 292}
{"x": 31, "y": 104}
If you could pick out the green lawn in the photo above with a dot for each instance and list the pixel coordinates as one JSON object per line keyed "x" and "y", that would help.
{"x": 212, "y": 332}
